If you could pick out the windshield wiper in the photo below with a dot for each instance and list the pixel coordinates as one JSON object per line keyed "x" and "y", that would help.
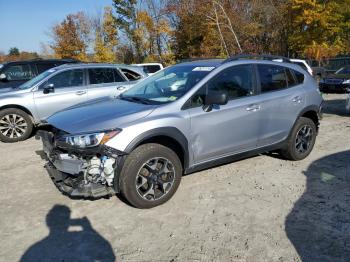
{"x": 136, "y": 99}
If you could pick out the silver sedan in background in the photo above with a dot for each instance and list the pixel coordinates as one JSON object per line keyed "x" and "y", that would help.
{"x": 58, "y": 88}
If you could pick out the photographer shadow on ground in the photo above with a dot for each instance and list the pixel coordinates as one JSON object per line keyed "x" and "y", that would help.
{"x": 319, "y": 223}
{"x": 69, "y": 240}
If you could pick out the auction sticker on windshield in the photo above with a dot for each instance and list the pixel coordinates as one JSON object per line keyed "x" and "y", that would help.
{"x": 203, "y": 68}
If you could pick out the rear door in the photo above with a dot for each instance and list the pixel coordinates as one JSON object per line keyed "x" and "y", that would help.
{"x": 105, "y": 82}
{"x": 281, "y": 97}
{"x": 230, "y": 128}
{"x": 69, "y": 88}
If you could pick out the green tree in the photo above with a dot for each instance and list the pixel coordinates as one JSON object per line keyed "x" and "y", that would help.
{"x": 106, "y": 39}
{"x": 126, "y": 20}
{"x": 320, "y": 29}
{"x": 14, "y": 51}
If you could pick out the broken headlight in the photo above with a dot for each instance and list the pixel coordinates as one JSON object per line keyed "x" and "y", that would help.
{"x": 89, "y": 139}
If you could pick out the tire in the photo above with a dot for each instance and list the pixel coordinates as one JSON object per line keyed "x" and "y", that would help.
{"x": 139, "y": 175}
{"x": 296, "y": 148}
{"x": 20, "y": 125}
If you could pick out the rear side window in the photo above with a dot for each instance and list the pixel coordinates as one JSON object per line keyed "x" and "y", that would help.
{"x": 272, "y": 78}
{"x": 150, "y": 69}
{"x": 299, "y": 77}
{"x": 69, "y": 78}
{"x": 18, "y": 72}
{"x": 131, "y": 75}
{"x": 302, "y": 65}
{"x": 104, "y": 75}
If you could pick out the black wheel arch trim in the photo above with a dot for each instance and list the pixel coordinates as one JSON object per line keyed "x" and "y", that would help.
{"x": 171, "y": 132}
{"x": 312, "y": 108}
{"x": 315, "y": 108}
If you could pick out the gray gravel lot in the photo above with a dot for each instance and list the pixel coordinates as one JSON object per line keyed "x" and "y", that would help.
{"x": 258, "y": 209}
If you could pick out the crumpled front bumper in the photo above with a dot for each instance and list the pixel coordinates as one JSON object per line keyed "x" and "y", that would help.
{"x": 66, "y": 168}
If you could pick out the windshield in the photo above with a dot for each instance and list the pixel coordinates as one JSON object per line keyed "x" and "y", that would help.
{"x": 343, "y": 71}
{"x": 36, "y": 79}
{"x": 167, "y": 85}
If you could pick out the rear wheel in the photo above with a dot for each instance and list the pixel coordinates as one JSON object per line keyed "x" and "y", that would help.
{"x": 301, "y": 140}
{"x": 150, "y": 176}
{"x": 15, "y": 125}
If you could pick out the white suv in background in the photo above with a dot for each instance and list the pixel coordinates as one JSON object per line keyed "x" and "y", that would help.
{"x": 150, "y": 68}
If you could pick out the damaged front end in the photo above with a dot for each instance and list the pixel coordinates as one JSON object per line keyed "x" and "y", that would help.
{"x": 81, "y": 166}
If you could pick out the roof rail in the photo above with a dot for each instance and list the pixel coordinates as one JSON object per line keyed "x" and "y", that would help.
{"x": 257, "y": 57}
{"x": 198, "y": 59}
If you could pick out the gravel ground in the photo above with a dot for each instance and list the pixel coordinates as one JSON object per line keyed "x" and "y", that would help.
{"x": 258, "y": 209}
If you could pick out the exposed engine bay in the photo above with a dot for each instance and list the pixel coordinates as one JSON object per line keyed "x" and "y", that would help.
{"x": 80, "y": 173}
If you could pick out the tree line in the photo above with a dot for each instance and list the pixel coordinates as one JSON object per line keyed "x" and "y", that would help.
{"x": 135, "y": 31}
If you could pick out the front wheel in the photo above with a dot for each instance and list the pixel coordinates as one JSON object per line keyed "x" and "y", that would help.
{"x": 15, "y": 125}
{"x": 301, "y": 140}
{"x": 150, "y": 175}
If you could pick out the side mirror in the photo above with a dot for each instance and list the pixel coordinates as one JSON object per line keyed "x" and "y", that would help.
{"x": 216, "y": 98}
{"x": 49, "y": 88}
{"x": 3, "y": 77}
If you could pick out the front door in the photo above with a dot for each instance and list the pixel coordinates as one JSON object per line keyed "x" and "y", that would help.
{"x": 230, "y": 128}
{"x": 68, "y": 89}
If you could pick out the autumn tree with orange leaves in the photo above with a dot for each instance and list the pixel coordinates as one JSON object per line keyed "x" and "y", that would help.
{"x": 71, "y": 36}
{"x": 106, "y": 38}
{"x": 167, "y": 31}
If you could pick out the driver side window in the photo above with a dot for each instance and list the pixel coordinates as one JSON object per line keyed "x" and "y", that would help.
{"x": 69, "y": 78}
{"x": 236, "y": 82}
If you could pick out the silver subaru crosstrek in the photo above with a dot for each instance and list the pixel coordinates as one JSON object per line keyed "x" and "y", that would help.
{"x": 23, "y": 108}
{"x": 184, "y": 118}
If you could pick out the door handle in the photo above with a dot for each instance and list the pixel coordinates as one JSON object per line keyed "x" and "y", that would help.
{"x": 297, "y": 99}
{"x": 79, "y": 93}
{"x": 121, "y": 88}
{"x": 253, "y": 108}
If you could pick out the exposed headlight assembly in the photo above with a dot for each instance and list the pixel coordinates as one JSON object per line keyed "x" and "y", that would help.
{"x": 89, "y": 139}
{"x": 346, "y": 81}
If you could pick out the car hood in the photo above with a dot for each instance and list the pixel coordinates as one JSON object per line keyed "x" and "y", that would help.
{"x": 99, "y": 115}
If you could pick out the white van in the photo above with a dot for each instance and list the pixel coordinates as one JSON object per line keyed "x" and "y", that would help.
{"x": 150, "y": 68}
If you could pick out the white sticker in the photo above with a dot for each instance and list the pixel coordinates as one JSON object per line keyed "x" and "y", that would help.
{"x": 204, "y": 68}
{"x": 51, "y": 70}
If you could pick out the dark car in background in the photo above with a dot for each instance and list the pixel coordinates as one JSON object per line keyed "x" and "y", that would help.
{"x": 13, "y": 74}
{"x": 339, "y": 82}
